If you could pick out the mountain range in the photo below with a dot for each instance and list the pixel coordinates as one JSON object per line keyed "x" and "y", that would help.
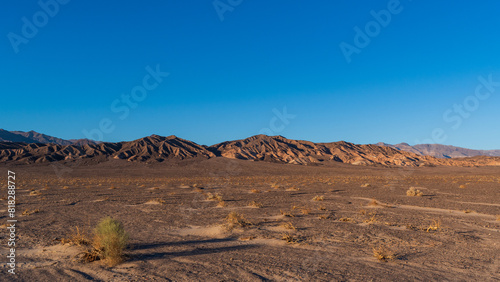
{"x": 442, "y": 151}
{"x": 35, "y": 137}
{"x": 157, "y": 149}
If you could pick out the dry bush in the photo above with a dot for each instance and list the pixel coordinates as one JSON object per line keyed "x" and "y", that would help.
{"x": 255, "y": 191}
{"x": 318, "y": 198}
{"x": 77, "y": 238}
{"x": 287, "y": 214}
{"x": 255, "y": 204}
{"x": 383, "y": 253}
{"x": 373, "y": 203}
{"x": 65, "y": 187}
{"x": 221, "y": 204}
{"x": 212, "y": 197}
{"x": 275, "y": 185}
{"x": 289, "y": 225}
{"x": 371, "y": 219}
{"x": 366, "y": 185}
{"x": 462, "y": 186}
{"x": 305, "y": 211}
{"x": 236, "y": 220}
{"x": 322, "y": 208}
{"x": 30, "y": 212}
{"x": 414, "y": 192}
{"x": 498, "y": 217}
{"x": 290, "y": 239}
{"x": 434, "y": 226}
{"x": 157, "y": 201}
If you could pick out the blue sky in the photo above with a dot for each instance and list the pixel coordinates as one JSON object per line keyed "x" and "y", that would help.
{"x": 231, "y": 70}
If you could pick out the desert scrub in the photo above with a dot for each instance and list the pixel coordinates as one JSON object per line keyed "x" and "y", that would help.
{"x": 110, "y": 240}
{"x": 414, "y": 192}
{"x": 289, "y": 225}
{"x": 255, "y": 204}
{"x": 77, "y": 238}
{"x": 35, "y": 193}
{"x": 290, "y": 239}
{"x": 434, "y": 226}
{"x": 318, "y": 198}
{"x": 236, "y": 220}
{"x": 285, "y": 213}
{"x": 212, "y": 197}
{"x": 383, "y": 253}
{"x": 30, "y": 212}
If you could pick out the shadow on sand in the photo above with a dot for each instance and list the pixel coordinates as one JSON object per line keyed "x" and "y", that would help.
{"x": 192, "y": 252}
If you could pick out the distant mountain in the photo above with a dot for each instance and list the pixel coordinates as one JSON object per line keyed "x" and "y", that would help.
{"x": 442, "y": 151}
{"x": 156, "y": 149}
{"x": 153, "y": 148}
{"x": 35, "y": 137}
{"x": 280, "y": 149}
{"x": 160, "y": 148}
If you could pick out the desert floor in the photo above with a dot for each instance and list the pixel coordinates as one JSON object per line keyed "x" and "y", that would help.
{"x": 302, "y": 223}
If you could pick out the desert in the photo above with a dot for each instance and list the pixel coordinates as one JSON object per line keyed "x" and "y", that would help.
{"x": 202, "y": 217}
{"x": 236, "y": 140}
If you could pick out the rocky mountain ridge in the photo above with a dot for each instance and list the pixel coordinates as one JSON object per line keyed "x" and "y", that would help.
{"x": 157, "y": 149}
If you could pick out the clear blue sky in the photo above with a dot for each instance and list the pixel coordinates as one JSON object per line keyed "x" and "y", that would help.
{"x": 227, "y": 76}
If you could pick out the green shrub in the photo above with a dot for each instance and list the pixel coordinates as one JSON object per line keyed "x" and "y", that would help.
{"x": 111, "y": 240}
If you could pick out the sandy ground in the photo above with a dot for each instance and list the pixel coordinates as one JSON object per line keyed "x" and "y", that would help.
{"x": 450, "y": 233}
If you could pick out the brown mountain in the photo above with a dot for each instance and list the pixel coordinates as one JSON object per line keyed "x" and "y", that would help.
{"x": 154, "y": 149}
{"x": 442, "y": 151}
{"x": 158, "y": 148}
{"x": 148, "y": 149}
{"x": 280, "y": 149}
{"x": 35, "y": 137}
